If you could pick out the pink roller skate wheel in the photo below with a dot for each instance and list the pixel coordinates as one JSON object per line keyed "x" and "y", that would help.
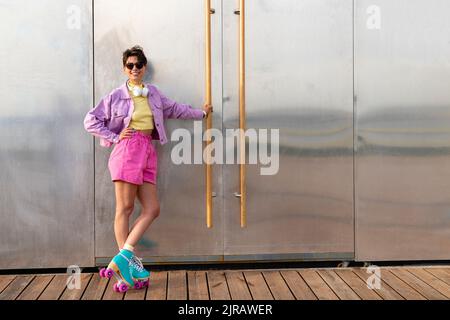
{"x": 102, "y": 273}
{"x": 109, "y": 273}
{"x": 138, "y": 285}
{"x": 115, "y": 287}
{"x": 123, "y": 288}
{"x": 146, "y": 283}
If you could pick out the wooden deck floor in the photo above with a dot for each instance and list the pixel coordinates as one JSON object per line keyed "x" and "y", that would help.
{"x": 397, "y": 283}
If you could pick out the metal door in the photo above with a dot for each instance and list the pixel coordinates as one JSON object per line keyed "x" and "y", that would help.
{"x": 402, "y": 71}
{"x": 299, "y": 79}
{"x": 172, "y": 35}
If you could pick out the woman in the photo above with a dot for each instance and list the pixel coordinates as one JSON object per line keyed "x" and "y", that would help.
{"x": 130, "y": 117}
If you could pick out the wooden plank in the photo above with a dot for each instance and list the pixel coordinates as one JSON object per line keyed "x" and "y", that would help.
{"x": 16, "y": 287}
{"x": 278, "y": 286}
{"x": 109, "y": 294}
{"x": 440, "y": 273}
{"x": 431, "y": 280}
{"x": 445, "y": 269}
{"x": 55, "y": 289}
{"x": 342, "y": 290}
{"x": 198, "y": 287}
{"x": 5, "y": 281}
{"x": 420, "y": 286}
{"x": 218, "y": 288}
{"x": 157, "y": 289}
{"x": 36, "y": 287}
{"x": 298, "y": 286}
{"x": 76, "y": 294}
{"x": 318, "y": 285}
{"x": 401, "y": 287}
{"x": 96, "y": 288}
{"x": 385, "y": 291}
{"x": 136, "y": 295}
{"x": 258, "y": 286}
{"x": 238, "y": 286}
{"x": 357, "y": 285}
{"x": 176, "y": 286}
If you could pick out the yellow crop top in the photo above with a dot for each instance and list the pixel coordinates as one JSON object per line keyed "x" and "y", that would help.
{"x": 142, "y": 118}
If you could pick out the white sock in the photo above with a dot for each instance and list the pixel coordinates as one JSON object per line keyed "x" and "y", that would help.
{"x": 128, "y": 247}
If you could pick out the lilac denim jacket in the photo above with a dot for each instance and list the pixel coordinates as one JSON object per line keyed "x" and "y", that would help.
{"x": 113, "y": 114}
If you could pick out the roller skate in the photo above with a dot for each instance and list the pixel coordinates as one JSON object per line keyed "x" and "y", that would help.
{"x": 120, "y": 267}
{"x": 139, "y": 274}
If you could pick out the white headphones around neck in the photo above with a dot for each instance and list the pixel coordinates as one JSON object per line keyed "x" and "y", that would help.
{"x": 138, "y": 91}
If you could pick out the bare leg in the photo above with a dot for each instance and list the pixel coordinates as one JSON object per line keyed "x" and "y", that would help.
{"x": 125, "y": 196}
{"x": 148, "y": 198}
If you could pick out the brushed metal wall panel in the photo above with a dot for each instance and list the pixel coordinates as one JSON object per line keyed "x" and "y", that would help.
{"x": 402, "y": 72}
{"x": 46, "y": 157}
{"x": 299, "y": 76}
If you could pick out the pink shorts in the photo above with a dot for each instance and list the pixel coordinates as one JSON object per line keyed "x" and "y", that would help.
{"x": 134, "y": 160}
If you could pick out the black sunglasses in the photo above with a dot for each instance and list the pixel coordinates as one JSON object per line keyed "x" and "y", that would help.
{"x": 138, "y": 65}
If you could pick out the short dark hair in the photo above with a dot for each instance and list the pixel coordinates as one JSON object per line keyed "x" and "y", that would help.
{"x": 136, "y": 51}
